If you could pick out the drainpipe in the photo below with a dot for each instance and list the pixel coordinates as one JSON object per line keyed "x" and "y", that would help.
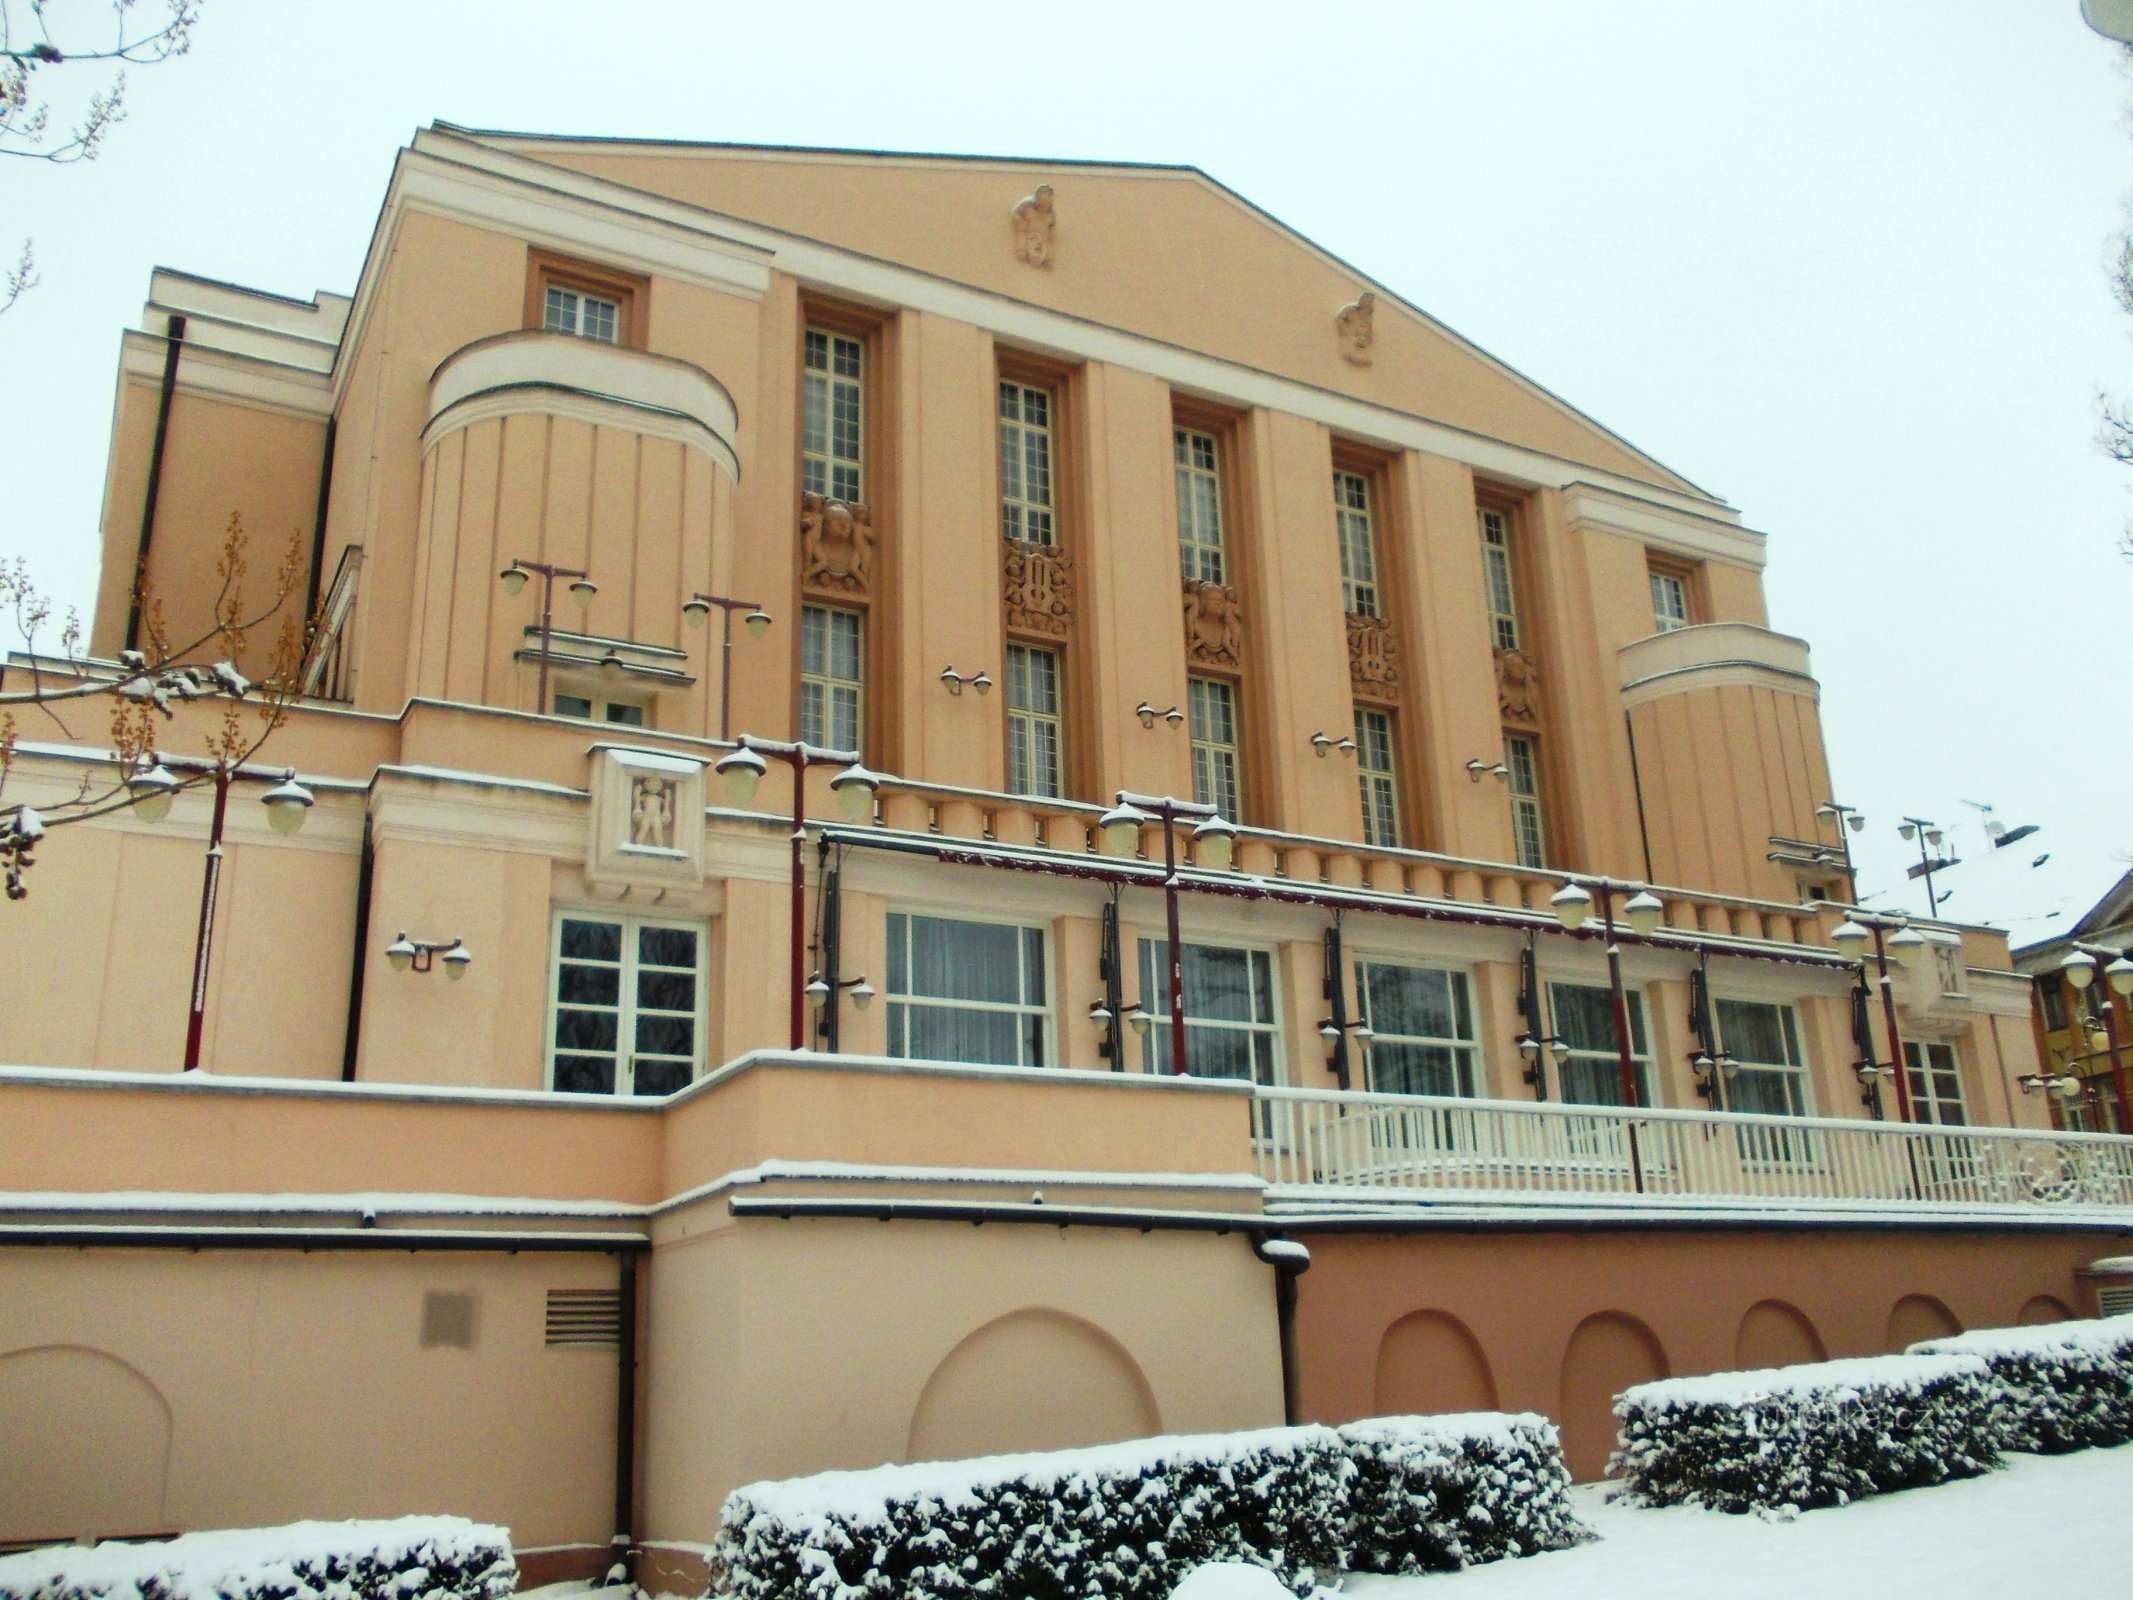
{"x": 622, "y": 1569}
{"x": 318, "y": 521}
{"x": 1290, "y": 1261}
{"x": 365, "y": 860}
{"x": 175, "y": 339}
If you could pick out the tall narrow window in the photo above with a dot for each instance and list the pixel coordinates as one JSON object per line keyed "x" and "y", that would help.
{"x": 832, "y": 693}
{"x": 1585, "y": 1021}
{"x": 1034, "y": 724}
{"x": 1025, "y": 463}
{"x": 1496, "y": 575}
{"x": 629, "y": 1003}
{"x": 588, "y": 316}
{"x": 1379, "y": 777}
{"x": 966, "y": 991}
{"x": 1359, "y": 558}
{"x": 1528, "y": 839}
{"x": 1936, "y": 1086}
{"x": 1216, "y": 773}
{"x": 1200, "y": 507}
{"x": 832, "y": 417}
{"x": 1670, "y": 601}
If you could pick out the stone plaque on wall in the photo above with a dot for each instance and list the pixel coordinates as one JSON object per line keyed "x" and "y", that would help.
{"x": 647, "y": 821}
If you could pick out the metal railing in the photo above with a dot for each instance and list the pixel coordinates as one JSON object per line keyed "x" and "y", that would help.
{"x": 1426, "y": 1144}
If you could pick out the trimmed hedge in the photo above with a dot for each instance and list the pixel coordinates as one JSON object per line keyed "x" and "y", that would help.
{"x": 1124, "y": 1522}
{"x": 2059, "y": 1387}
{"x": 408, "y": 1558}
{"x": 1436, "y": 1494}
{"x": 1818, "y": 1435}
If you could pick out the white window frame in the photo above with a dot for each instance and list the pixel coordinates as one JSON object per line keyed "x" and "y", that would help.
{"x": 1498, "y": 585}
{"x": 819, "y": 717}
{"x": 1379, "y": 780}
{"x": 1926, "y": 1101}
{"x": 826, "y": 468}
{"x": 1217, "y": 765}
{"x": 1469, "y": 1063}
{"x": 1607, "y": 1056}
{"x": 1670, "y": 601}
{"x": 1155, "y": 996}
{"x": 626, "y": 991}
{"x": 1028, "y": 464}
{"x": 1529, "y": 819}
{"x": 1040, "y": 1012}
{"x": 1352, "y": 513}
{"x": 568, "y": 309}
{"x": 1027, "y": 723}
{"x": 600, "y": 708}
{"x": 1202, "y": 550}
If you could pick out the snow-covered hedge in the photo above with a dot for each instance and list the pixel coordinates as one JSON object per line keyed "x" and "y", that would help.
{"x": 2063, "y": 1386}
{"x": 1435, "y": 1494}
{"x": 408, "y": 1558}
{"x": 1805, "y": 1436}
{"x": 1123, "y": 1521}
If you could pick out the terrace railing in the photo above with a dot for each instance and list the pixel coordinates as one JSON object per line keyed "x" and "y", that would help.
{"x": 1324, "y": 1141}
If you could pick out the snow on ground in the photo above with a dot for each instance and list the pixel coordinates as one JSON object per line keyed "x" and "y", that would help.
{"x": 2043, "y": 1525}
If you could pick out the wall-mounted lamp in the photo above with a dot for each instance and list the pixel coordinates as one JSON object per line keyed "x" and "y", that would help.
{"x": 1147, "y": 713}
{"x": 819, "y": 989}
{"x": 1331, "y": 1031}
{"x": 1529, "y": 1049}
{"x": 955, "y": 680}
{"x": 1477, "y": 769}
{"x": 1322, "y": 742}
{"x": 1138, "y": 1017}
{"x": 417, "y": 955}
{"x": 2066, "y": 1086}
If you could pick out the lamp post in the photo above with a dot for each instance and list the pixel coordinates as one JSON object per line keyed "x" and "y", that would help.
{"x": 582, "y": 590}
{"x": 695, "y": 609}
{"x": 152, "y": 790}
{"x": 854, "y": 788}
{"x": 1572, "y": 903}
{"x": 2079, "y": 968}
{"x": 1212, "y": 840}
{"x": 1906, "y": 944}
{"x": 1849, "y": 820}
{"x": 1930, "y": 861}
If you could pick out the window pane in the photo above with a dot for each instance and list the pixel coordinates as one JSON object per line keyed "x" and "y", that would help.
{"x": 666, "y": 991}
{"x": 667, "y": 947}
{"x": 665, "y": 1036}
{"x": 964, "y": 960}
{"x": 585, "y": 1030}
{"x": 591, "y": 986}
{"x": 661, "y": 1077}
{"x": 592, "y": 941}
{"x": 584, "y": 1075}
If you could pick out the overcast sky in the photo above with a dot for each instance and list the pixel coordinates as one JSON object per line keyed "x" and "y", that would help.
{"x": 1839, "y": 263}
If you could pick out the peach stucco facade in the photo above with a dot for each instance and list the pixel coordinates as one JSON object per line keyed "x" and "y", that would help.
{"x": 571, "y": 1237}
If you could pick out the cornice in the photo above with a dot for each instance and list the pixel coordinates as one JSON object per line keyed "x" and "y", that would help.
{"x": 1675, "y": 530}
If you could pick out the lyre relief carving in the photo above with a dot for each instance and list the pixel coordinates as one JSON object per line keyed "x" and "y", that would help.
{"x": 1354, "y": 327}
{"x": 1035, "y": 220}
{"x": 1373, "y": 657}
{"x": 836, "y": 545}
{"x": 652, "y": 813}
{"x": 1037, "y": 583}
{"x": 1214, "y": 624}
{"x": 1517, "y": 688}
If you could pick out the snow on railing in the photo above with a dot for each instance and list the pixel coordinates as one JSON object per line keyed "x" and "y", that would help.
{"x": 1427, "y": 1143}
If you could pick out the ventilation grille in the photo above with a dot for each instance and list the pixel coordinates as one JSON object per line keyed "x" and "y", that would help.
{"x": 585, "y": 1316}
{"x": 447, "y": 1319}
{"x": 2114, "y": 1302}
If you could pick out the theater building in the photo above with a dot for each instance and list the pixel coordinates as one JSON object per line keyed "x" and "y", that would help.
{"x": 724, "y": 1028}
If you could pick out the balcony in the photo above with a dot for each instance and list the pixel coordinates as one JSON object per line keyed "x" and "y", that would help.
{"x": 1341, "y": 1150}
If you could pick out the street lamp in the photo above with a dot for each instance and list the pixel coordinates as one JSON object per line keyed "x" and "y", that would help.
{"x": 1572, "y": 904}
{"x": 955, "y": 680}
{"x": 418, "y": 955}
{"x": 1930, "y": 860}
{"x": 695, "y": 610}
{"x": 1212, "y": 839}
{"x": 854, "y": 788}
{"x": 1848, "y": 820}
{"x": 582, "y": 590}
{"x": 2079, "y": 969}
{"x": 1905, "y": 945}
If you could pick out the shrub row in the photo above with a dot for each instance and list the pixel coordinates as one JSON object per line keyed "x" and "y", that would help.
{"x": 1806, "y": 1436}
{"x": 1128, "y": 1521}
{"x": 2064, "y": 1386}
{"x": 408, "y": 1558}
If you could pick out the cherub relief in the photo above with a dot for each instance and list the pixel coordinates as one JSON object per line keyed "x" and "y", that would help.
{"x": 1354, "y": 326}
{"x": 836, "y": 544}
{"x": 1034, "y": 221}
{"x": 652, "y": 813}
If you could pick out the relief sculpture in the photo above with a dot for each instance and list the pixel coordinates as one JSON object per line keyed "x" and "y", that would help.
{"x": 1038, "y": 585}
{"x": 1354, "y": 327}
{"x": 1034, "y": 222}
{"x": 652, "y": 813}
{"x": 1373, "y": 658}
{"x": 836, "y": 545}
{"x": 1214, "y": 624}
{"x": 1517, "y": 688}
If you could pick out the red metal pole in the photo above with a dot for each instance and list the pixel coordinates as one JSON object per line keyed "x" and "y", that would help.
{"x": 1177, "y": 955}
{"x": 210, "y": 883}
{"x": 1897, "y": 1064}
{"x": 1630, "y": 1097}
{"x": 547, "y": 619}
{"x": 798, "y": 762}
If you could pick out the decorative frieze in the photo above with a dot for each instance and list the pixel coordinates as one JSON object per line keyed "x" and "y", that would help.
{"x": 1214, "y": 624}
{"x": 1038, "y": 585}
{"x": 836, "y": 546}
{"x": 1354, "y": 327}
{"x": 1517, "y": 689}
{"x": 1373, "y": 658}
{"x": 1035, "y": 221}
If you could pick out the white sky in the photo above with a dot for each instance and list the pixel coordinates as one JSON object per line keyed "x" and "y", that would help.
{"x": 1841, "y": 264}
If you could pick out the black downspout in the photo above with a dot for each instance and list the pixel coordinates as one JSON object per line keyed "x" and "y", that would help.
{"x": 1108, "y": 961}
{"x": 1337, "y": 998}
{"x": 829, "y": 916}
{"x": 623, "y": 1544}
{"x": 354, "y": 1034}
{"x": 1636, "y": 783}
{"x": 174, "y": 336}
{"x": 318, "y": 521}
{"x": 1529, "y": 1007}
{"x": 1285, "y": 1275}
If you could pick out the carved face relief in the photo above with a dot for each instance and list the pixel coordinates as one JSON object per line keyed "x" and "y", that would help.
{"x": 1373, "y": 657}
{"x": 651, "y": 813}
{"x": 1034, "y": 222}
{"x": 1517, "y": 688}
{"x": 1353, "y": 326}
{"x": 1038, "y": 586}
{"x": 1214, "y": 624}
{"x": 836, "y": 544}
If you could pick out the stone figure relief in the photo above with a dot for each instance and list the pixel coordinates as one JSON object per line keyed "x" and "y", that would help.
{"x": 1373, "y": 657}
{"x": 1353, "y": 326}
{"x": 1035, "y": 221}
{"x": 836, "y": 545}
{"x": 651, "y": 813}
{"x": 1214, "y": 624}
{"x": 1038, "y": 585}
{"x": 1517, "y": 688}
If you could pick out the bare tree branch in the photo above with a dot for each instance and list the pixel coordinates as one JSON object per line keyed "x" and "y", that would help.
{"x": 33, "y": 50}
